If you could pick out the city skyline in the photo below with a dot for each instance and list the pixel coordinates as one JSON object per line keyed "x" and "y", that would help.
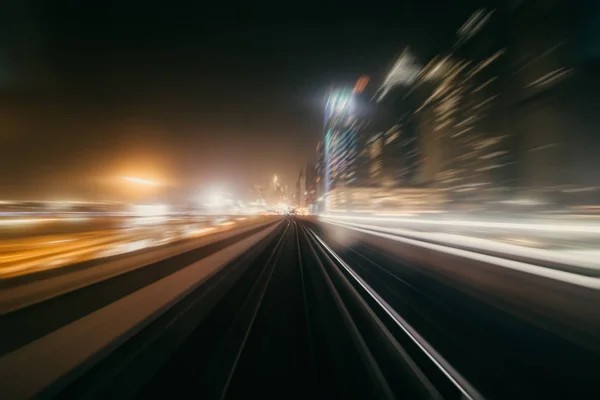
{"x": 186, "y": 148}
{"x": 143, "y": 91}
{"x": 442, "y": 125}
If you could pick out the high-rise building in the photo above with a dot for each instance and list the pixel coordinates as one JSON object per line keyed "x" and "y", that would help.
{"x": 372, "y": 158}
{"x": 541, "y": 41}
{"x": 301, "y": 193}
{"x": 394, "y": 146}
{"x": 397, "y": 145}
{"x": 341, "y": 141}
{"x": 488, "y": 118}
{"x": 311, "y": 185}
{"x": 505, "y": 106}
{"x": 582, "y": 102}
{"x": 430, "y": 144}
{"x": 464, "y": 149}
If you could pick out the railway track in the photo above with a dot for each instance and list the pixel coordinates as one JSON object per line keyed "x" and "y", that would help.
{"x": 301, "y": 316}
{"x": 281, "y": 322}
{"x": 497, "y": 352}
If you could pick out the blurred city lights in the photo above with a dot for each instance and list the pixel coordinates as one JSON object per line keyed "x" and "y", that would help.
{"x": 26, "y": 221}
{"x": 361, "y": 84}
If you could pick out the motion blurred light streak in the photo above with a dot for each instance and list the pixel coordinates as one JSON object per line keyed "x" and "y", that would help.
{"x": 28, "y": 255}
{"x": 139, "y": 181}
{"x": 27, "y": 221}
{"x": 586, "y": 228}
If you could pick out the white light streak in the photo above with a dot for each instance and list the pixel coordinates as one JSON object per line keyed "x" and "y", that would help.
{"x": 139, "y": 181}
{"x": 404, "y": 72}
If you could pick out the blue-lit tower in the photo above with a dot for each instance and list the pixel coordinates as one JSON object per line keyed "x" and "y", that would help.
{"x": 341, "y": 141}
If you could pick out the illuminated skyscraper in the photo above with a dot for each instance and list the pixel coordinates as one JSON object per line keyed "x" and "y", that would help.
{"x": 341, "y": 141}
{"x": 463, "y": 149}
{"x": 395, "y": 149}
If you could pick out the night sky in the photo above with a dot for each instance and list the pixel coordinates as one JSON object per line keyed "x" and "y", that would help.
{"x": 185, "y": 94}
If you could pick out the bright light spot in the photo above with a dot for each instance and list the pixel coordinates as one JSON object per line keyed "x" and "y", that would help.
{"x": 27, "y": 221}
{"x": 150, "y": 210}
{"x": 139, "y": 181}
{"x": 523, "y": 242}
{"x": 343, "y": 104}
{"x": 60, "y": 241}
{"x": 128, "y": 247}
{"x": 524, "y": 202}
{"x": 198, "y": 232}
{"x": 217, "y": 199}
